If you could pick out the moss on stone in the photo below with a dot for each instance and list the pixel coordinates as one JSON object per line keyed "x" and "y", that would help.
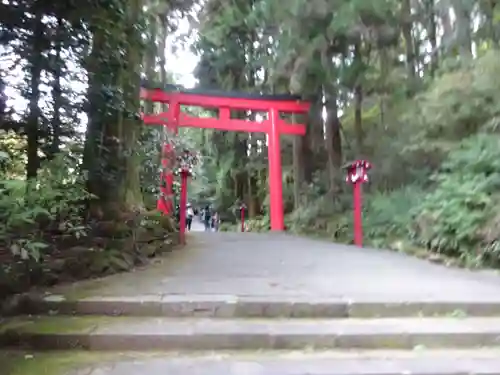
{"x": 53, "y": 363}
{"x": 70, "y": 362}
{"x": 52, "y": 324}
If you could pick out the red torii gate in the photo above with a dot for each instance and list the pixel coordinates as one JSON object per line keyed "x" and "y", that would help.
{"x": 274, "y": 125}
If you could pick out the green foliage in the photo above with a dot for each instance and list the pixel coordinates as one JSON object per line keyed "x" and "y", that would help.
{"x": 11, "y": 153}
{"x": 32, "y": 213}
{"x": 313, "y": 216}
{"x": 66, "y": 64}
{"x": 458, "y": 217}
{"x": 457, "y": 104}
{"x": 436, "y": 178}
{"x": 258, "y": 224}
{"x": 387, "y": 215}
{"x": 149, "y": 154}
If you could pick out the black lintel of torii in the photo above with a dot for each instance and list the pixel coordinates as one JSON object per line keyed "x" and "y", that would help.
{"x": 220, "y": 93}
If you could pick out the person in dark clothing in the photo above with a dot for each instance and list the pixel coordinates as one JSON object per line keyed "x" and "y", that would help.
{"x": 178, "y": 213}
{"x": 189, "y": 216}
{"x": 207, "y": 219}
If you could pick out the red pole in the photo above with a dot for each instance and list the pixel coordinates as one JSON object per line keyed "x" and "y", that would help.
{"x": 161, "y": 203}
{"x": 275, "y": 174}
{"x": 242, "y": 213}
{"x": 358, "y": 214}
{"x": 182, "y": 208}
{"x": 164, "y": 203}
{"x": 169, "y": 179}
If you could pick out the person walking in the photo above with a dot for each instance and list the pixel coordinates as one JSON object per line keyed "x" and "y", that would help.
{"x": 215, "y": 221}
{"x": 189, "y": 217}
{"x": 178, "y": 213}
{"x": 207, "y": 219}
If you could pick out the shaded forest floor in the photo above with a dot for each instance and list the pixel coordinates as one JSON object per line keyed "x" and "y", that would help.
{"x": 107, "y": 248}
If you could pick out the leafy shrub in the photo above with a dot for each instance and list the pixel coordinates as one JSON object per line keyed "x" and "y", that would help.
{"x": 457, "y": 105}
{"x": 257, "y": 224}
{"x": 53, "y": 205}
{"x": 387, "y": 215}
{"x": 458, "y": 217}
{"x": 312, "y": 216}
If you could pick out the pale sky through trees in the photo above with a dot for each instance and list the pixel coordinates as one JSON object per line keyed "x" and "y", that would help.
{"x": 183, "y": 62}
{"x": 180, "y": 64}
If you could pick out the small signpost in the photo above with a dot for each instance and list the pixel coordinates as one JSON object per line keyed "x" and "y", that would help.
{"x": 357, "y": 174}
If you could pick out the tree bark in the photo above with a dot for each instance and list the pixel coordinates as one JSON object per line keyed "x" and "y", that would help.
{"x": 432, "y": 32}
{"x": 298, "y": 170}
{"x": 358, "y": 105}
{"x": 112, "y": 133}
{"x": 35, "y": 70}
{"x": 463, "y": 10}
{"x": 407, "y": 27}
{"x": 57, "y": 93}
{"x": 332, "y": 139}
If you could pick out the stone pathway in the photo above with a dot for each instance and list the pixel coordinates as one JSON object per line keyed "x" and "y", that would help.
{"x": 197, "y": 225}
{"x": 247, "y": 303}
{"x": 326, "y": 364}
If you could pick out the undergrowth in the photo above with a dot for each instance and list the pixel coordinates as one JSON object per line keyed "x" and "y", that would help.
{"x": 46, "y": 236}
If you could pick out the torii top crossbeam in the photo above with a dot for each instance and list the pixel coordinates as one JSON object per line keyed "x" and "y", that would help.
{"x": 224, "y": 102}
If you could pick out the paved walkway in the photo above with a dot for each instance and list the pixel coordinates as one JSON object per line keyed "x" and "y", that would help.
{"x": 197, "y": 225}
{"x": 265, "y": 304}
{"x": 251, "y": 264}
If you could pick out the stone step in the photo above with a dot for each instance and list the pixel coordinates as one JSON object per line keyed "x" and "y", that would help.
{"x": 127, "y": 333}
{"x": 310, "y": 365}
{"x": 217, "y": 306}
{"x": 381, "y": 362}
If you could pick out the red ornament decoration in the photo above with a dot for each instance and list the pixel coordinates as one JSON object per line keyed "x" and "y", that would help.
{"x": 357, "y": 174}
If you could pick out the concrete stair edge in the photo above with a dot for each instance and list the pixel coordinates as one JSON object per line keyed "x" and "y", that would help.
{"x": 333, "y": 362}
{"x": 236, "y": 334}
{"x": 242, "y": 306}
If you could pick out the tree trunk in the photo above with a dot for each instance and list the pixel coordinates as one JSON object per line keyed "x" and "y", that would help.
{"x": 317, "y": 136}
{"x": 332, "y": 139}
{"x": 307, "y": 144}
{"x": 131, "y": 190}
{"x": 150, "y": 57}
{"x": 298, "y": 170}
{"x": 252, "y": 201}
{"x": 447, "y": 37}
{"x": 35, "y": 70}
{"x": 407, "y": 27}
{"x": 358, "y": 106}
{"x": 57, "y": 94}
{"x": 463, "y": 10}
{"x": 114, "y": 126}
{"x": 431, "y": 31}
{"x": 385, "y": 61}
{"x": 162, "y": 46}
